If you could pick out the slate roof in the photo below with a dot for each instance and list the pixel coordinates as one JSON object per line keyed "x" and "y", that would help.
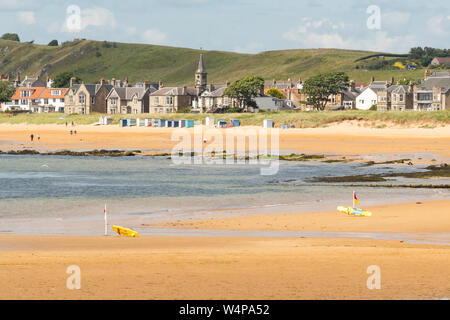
{"x": 175, "y": 91}
{"x": 436, "y": 81}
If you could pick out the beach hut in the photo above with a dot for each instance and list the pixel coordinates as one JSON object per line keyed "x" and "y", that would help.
{"x": 123, "y": 122}
{"x": 132, "y": 122}
{"x": 183, "y": 123}
{"x": 209, "y": 121}
{"x": 235, "y": 122}
{"x": 154, "y": 123}
{"x": 162, "y": 123}
{"x": 190, "y": 123}
{"x": 221, "y": 124}
{"x": 267, "y": 123}
{"x": 175, "y": 124}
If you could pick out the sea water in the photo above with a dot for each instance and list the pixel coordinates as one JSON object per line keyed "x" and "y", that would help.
{"x": 67, "y": 195}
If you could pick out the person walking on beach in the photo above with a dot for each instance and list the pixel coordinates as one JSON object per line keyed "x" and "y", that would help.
{"x": 71, "y": 132}
{"x": 75, "y": 132}
{"x": 66, "y": 124}
{"x": 72, "y": 124}
{"x": 32, "y": 137}
{"x": 39, "y": 137}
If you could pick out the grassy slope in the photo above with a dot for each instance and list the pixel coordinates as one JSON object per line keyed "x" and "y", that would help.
{"x": 175, "y": 66}
{"x": 299, "y": 119}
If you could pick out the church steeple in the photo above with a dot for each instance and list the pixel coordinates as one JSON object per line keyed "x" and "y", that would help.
{"x": 201, "y": 75}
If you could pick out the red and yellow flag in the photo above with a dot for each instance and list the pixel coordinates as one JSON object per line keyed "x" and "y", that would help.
{"x": 355, "y": 198}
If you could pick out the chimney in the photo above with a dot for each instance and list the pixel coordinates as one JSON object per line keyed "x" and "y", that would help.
{"x": 210, "y": 88}
{"x": 427, "y": 74}
{"x": 184, "y": 90}
{"x": 411, "y": 86}
{"x": 227, "y": 83}
{"x": 72, "y": 81}
{"x": 113, "y": 81}
{"x": 352, "y": 85}
{"x": 102, "y": 81}
{"x": 160, "y": 84}
{"x": 392, "y": 80}
{"x": 372, "y": 80}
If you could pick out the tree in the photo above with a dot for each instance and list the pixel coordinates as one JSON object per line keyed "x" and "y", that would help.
{"x": 10, "y": 36}
{"x": 275, "y": 93}
{"x": 6, "y": 91}
{"x": 320, "y": 87}
{"x": 245, "y": 89}
{"x": 53, "y": 43}
{"x": 62, "y": 80}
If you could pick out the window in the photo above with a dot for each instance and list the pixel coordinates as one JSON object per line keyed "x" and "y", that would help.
{"x": 401, "y": 98}
{"x": 45, "y": 101}
{"x": 156, "y": 100}
{"x": 92, "y": 100}
{"x": 55, "y": 92}
{"x": 113, "y": 101}
{"x": 82, "y": 98}
{"x": 70, "y": 99}
{"x": 169, "y": 101}
{"x": 62, "y": 100}
{"x": 25, "y": 93}
{"x": 23, "y": 101}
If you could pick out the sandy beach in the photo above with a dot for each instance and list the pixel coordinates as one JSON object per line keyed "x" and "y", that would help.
{"x": 200, "y": 267}
{"x": 220, "y": 268}
{"x": 241, "y": 267}
{"x": 346, "y": 139}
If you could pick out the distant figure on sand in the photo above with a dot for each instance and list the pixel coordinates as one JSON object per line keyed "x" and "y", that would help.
{"x": 32, "y": 137}
{"x": 39, "y": 137}
{"x": 75, "y": 132}
{"x": 71, "y": 132}
{"x": 66, "y": 124}
{"x": 72, "y": 124}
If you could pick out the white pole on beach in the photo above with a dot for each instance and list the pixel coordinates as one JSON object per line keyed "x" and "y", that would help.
{"x": 106, "y": 223}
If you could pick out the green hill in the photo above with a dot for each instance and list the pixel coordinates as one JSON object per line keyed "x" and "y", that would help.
{"x": 92, "y": 60}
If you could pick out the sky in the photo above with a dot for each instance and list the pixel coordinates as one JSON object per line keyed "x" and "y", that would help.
{"x": 246, "y": 26}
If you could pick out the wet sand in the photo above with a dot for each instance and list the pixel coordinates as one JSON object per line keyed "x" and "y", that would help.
{"x": 421, "y": 217}
{"x": 347, "y": 139}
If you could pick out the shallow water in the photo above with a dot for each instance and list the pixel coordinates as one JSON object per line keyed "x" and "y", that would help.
{"x": 55, "y": 194}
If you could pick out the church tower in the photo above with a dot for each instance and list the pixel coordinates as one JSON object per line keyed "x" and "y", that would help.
{"x": 201, "y": 75}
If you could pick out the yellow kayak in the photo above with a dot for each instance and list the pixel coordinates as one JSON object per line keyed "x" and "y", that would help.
{"x": 125, "y": 232}
{"x": 354, "y": 211}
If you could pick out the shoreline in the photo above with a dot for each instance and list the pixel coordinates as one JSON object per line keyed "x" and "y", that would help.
{"x": 341, "y": 140}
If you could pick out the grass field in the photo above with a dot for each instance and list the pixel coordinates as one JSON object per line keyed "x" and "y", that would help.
{"x": 92, "y": 60}
{"x": 299, "y": 119}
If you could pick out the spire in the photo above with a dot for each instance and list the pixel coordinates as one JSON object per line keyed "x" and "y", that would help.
{"x": 201, "y": 65}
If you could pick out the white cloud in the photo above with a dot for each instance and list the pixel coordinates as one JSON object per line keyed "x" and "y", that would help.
{"x": 96, "y": 17}
{"x": 154, "y": 36}
{"x": 439, "y": 25}
{"x": 26, "y": 17}
{"x": 394, "y": 19}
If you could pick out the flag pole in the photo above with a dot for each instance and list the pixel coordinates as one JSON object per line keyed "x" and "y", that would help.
{"x": 106, "y": 222}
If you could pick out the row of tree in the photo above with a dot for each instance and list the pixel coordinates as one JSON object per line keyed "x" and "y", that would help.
{"x": 15, "y": 37}
{"x": 425, "y": 55}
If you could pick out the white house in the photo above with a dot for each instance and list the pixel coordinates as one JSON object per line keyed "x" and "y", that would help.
{"x": 368, "y": 96}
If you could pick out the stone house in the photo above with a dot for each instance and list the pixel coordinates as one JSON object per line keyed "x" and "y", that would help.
{"x": 87, "y": 98}
{"x": 127, "y": 100}
{"x": 172, "y": 99}
{"x": 433, "y": 93}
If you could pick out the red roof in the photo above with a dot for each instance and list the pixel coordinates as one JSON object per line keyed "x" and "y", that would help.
{"x": 35, "y": 93}
{"x": 47, "y": 94}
